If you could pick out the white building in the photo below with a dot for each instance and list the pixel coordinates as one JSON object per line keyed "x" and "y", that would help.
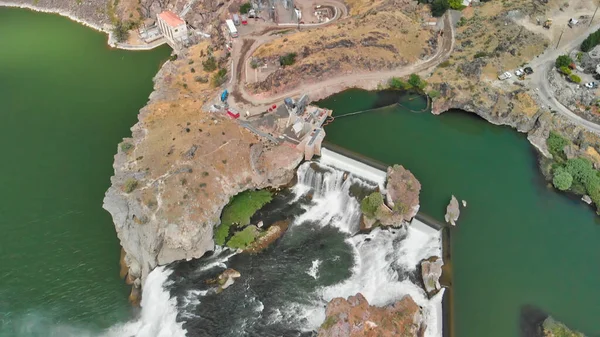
{"x": 173, "y": 28}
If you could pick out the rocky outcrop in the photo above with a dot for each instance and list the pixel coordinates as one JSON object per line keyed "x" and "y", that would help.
{"x": 354, "y": 317}
{"x": 178, "y": 171}
{"x": 402, "y": 192}
{"x": 452, "y": 211}
{"x": 431, "y": 271}
{"x": 225, "y": 279}
{"x": 553, "y": 328}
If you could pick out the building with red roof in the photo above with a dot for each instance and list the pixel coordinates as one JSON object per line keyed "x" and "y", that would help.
{"x": 173, "y": 28}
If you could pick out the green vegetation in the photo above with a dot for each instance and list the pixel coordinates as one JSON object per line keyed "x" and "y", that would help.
{"x": 456, "y": 4}
{"x": 121, "y": 31}
{"x": 329, "y": 322}
{"x": 439, "y": 7}
{"x": 130, "y": 185}
{"x": 245, "y": 8}
{"x": 565, "y": 70}
{"x": 222, "y": 233}
{"x": 579, "y": 56}
{"x": 591, "y": 41}
{"x": 126, "y": 147}
{"x": 433, "y": 94}
{"x": 562, "y": 179}
{"x": 563, "y": 61}
{"x": 556, "y": 144}
{"x": 219, "y": 77}
{"x": 241, "y": 240}
{"x": 480, "y": 54}
{"x": 574, "y": 78}
{"x": 557, "y": 329}
{"x": 414, "y": 82}
{"x": 210, "y": 64}
{"x": 243, "y": 206}
{"x": 287, "y": 59}
{"x": 370, "y": 204}
{"x": 445, "y": 64}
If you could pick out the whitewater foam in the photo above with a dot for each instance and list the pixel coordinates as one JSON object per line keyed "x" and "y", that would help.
{"x": 314, "y": 269}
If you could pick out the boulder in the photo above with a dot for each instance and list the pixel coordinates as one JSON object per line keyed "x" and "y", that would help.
{"x": 586, "y": 198}
{"x": 431, "y": 271}
{"x": 354, "y": 317}
{"x": 452, "y": 211}
{"x": 402, "y": 192}
{"x": 225, "y": 279}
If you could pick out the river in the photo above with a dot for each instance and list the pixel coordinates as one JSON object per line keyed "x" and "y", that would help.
{"x": 517, "y": 243}
{"x": 66, "y": 102}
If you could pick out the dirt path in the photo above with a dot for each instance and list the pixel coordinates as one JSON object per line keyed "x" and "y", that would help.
{"x": 244, "y": 101}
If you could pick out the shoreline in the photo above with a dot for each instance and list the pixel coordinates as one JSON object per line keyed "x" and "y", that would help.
{"x": 111, "y": 42}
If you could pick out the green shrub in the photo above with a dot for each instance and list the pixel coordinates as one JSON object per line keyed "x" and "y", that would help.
{"x": 121, "y": 31}
{"x": 371, "y": 203}
{"x": 480, "y": 54}
{"x": 565, "y": 70}
{"x": 221, "y": 234}
{"x": 243, "y": 206}
{"x": 562, "y": 179}
{"x": 245, "y": 8}
{"x": 575, "y": 79}
{"x": 219, "y": 77}
{"x": 130, "y": 185}
{"x": 126, "y": 147}
{"x": 287, "y": 59}
{"x": 445, "y": 64}
{"x": 563, "y": 61}
{"x": 456, "y": 4}
{"x": 241, "y": 240}
{"x": 396, "y": 83}
{"x": 591, "y": 41}
{"x": 433, "y": 94}
{"x": 556, "y": 144}
{"x": 210, "y": 64}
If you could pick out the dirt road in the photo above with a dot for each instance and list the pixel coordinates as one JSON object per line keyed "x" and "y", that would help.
{"x": 245, "y": 101}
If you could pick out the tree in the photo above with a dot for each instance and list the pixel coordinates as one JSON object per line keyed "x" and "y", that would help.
{"x": 562, "y": 179}
{"x": 455, "y": 4}
{"x": 556, "y": 144}
{"x": 121, "y": 31}
{"x": 591, "y": 41}
{"x": 219, "y": 77}
{"x": 210, "y": 64}
{"x": 245, "y": 8}
{"x": 565, "y": 70}
{"x": 581, "y": 169}
{"x": 439, "y": 7}
{"x": 415, "y": 81}
{"x": 287, "y": 59}
{"x": 574, "y": 78}
{"x": 371, "y": 203}
{"x": 563, "y": 61}
{"x": 396, "y": 83}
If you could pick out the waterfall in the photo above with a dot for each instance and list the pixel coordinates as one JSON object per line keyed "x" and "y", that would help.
{"x": 332, "y": 202}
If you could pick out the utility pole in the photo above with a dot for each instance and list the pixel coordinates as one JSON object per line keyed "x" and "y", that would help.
{"x": 593, "y": 16}
{"x": 561, "y": 34}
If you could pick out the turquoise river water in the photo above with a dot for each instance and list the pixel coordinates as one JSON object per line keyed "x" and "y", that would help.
{"x": 67, "y": 100}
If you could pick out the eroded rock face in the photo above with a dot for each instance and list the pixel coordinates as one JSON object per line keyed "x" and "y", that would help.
{"x": 354, "y": 317}
{"x": 452, "y": 211}
{"x": 178, "y": 171}
{"x": 431, "y": 271}
{"x": 402, "y": 192}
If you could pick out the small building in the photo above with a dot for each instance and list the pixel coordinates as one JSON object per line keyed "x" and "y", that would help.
{"x": 431, "y": 22}
{"x": 173, "y": 28}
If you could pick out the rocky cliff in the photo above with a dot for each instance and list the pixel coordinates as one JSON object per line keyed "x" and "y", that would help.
{"x": 181, "y": 167}
{"x": 354, "y": 317}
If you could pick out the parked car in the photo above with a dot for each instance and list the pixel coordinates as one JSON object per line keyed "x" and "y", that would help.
{"x": 591, "y": 85}
{"x": 528, "y": 70}
{"x": 519, "y": 72}
{"x": 504, "y": 76}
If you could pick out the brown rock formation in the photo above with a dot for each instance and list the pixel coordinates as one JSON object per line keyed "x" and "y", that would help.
{"x": 402, "y": 192}
{"x": 431, "y": 271}
{"x": 354, "y": 317}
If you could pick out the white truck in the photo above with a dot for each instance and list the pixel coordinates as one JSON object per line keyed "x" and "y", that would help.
{"x": 236, "y": 19}
{"x": 506, "y": 75}
{"x": 231, "y": 26}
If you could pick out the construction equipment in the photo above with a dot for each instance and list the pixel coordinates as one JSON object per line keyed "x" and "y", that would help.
{"x": 548, "y": 23}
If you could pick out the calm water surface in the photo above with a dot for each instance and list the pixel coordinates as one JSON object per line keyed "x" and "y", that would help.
{"x": 66, "y": 100}
{"x": 517, "y": 243}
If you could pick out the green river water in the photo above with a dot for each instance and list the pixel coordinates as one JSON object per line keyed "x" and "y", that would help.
{"x": 517, "y": 243}
{"x": 66, "y": 101}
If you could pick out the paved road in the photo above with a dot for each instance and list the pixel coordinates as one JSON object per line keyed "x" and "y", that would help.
{"x": 539, "y": 80}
